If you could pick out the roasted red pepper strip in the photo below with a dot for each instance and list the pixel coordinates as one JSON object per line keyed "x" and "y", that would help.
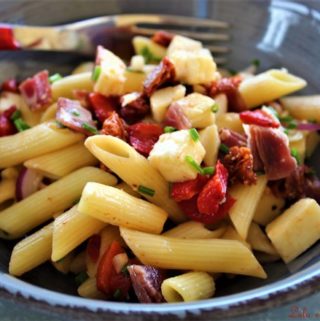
{"x": 113, "y": 284}
{"x": 10, "y": 85}
{"x": 6, "y": 125}
{"x": 260, "y": 118}
{"x": 7, "y": 41}
{"x": 185, "y": 190}
{"x": 93, "y": 247}
{"x": 214, "y": 192}
{"x": 143, "y": 136}
{"x": 103, "y": 106}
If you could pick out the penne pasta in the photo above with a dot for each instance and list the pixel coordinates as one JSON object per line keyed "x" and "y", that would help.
{"x": 65, "y": 86}
{"x": 63, "y": 265}
{"x": 23, "y": 216}
{"x": 83, "y": 67}
{"x": 188, "y": 287}
{"x": 209, "y": 255}
{"x": 49, "y": 113}
{"x": 135, "y": 170}
{"x": 39, "y": 140}
{"x": 296, "y": 229}
{"x": 88, "y": 289}
{"x": 194, "y": 230}
{"x": 7, "y": 189}
{"x": 303, "y": 107}
{"x": 269, "y": 86}
{"x": 231, "y": 234}
{"x": 210, "y": 140}
{"x": 31, "y": 251}
{"x": 70, "y": 230}
{"x": 116, "y": 207}
{"x": 247, "y": 199}
{"x": 62, "y": 162}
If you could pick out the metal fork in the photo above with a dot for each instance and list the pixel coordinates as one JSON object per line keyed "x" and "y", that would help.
{"x": 115, "y": 33}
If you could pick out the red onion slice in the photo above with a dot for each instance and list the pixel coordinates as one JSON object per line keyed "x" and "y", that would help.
{"x": 311, "y": 127}
{"x": 28, "y": 182}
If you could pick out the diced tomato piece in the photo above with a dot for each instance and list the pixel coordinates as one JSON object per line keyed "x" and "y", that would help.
{"x": 113, "y": 284}
{"x": 214, "y": 192}
{"x": 10, "y": 85}
{"x": 103, "y": 106}
{"x": 6, "y": 125}
{"x": 185, "y": 190}
{"x": 93, "y": 247}
{"x": 162, "y": 38}
{"x": 143, "y": 136}
{"x": 7, "y": 41}
{"x": 260, "y": 118}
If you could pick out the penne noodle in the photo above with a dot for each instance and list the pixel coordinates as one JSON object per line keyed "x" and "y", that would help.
{"x": 23, "y": 216}
{"x": 83, "y": 67}
{"x": 49, "y": 113}
{"x": 114, "y": 206}
{"x": 296, "y": 229}
{"x": 65, "y": 86}
{"x": 135, "y": 170}
{"x": 210, "y": 140}
{"x": 39, "y": 140}
{"x": 7, "y": 189}
{"x": 31, "y": 251}
{"x": 62, "y": 162}
{"x": 231, "y": 234}
{"x": 70, "y": 230}
{"x": 194, "y": 230}
{"x": 209, "y": 255}
{"x": 247, "y": 199}
{"x": 269, "y": 86}
{"x": 188, "y": 287}
{"x": 63, "y": 265}
{"x": 88, "y": 289}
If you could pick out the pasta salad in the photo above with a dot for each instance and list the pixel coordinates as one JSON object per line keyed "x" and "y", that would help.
{"x": 152, "y": 180}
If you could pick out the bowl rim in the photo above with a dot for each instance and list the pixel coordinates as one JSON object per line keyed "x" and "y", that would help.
{"x": 288, "y": 289}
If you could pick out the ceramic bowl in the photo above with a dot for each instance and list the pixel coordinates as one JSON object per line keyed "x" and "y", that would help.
{"x": 279, "y": 34}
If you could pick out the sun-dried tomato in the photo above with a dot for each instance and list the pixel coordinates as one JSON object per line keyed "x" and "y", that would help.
{"x": 93, "y": 247}
{"x": 182, "y": 191}
{"x": 260, "y": 118}
{"x": 10, "y": 85}
{"x": 7, "y": 40}
{"x": 6, "y": 125}
{"x": 135, "y": 109}
{"x": 143, "y": 136}
{"x": 115, "y": 126}
{"x": 162, "y": 38}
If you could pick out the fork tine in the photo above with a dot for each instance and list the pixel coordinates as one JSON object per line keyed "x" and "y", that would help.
{"x": 124, "y": 20}
{"x": 201, "y": 36}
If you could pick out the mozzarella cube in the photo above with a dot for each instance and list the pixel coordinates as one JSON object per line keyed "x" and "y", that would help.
{"x": 183, "y": 43}
{"x": 197, "y": 108}
{"x": 161, "y": 99}
{"x": 194, "y": 67}
{"x": 112, "y": 76}
{"x": 137, "y": 63}
{"x": 169, "y": 153}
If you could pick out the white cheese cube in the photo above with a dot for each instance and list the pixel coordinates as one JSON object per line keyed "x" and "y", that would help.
{"x": 112, "y": 76}
{"x": 183, "y": 43}
{"x": 137, "y": 63}
{"x": 198, "y": 109}
{"x": 161, "y": 99}
{"x": 169, "y": 153}
{"x": 194, "y": 67}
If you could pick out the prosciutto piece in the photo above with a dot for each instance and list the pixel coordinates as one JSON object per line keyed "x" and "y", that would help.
{"x": 36, "y": 91}
{"x": 270, "y": 150}
{"x": 176, "y": 117}
{"x": 103, "y": 106}
{"x": 71, "y": 114}
{"x": 146, "y": 281}
{"x": 231, "y": 138}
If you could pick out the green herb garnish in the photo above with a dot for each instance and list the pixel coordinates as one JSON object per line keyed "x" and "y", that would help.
{"x": 149, "y": 56}
{"x": 117, "y": 294}
{"x": 60, "y": 125}
{"x": 146, "y": 190}
{"x": 169, "y": 129}
{"x": 215, "y": 108}
{"x": 189, "y": 159}
{"x": 255, "y": 62}
{"x": 75, "y": 113}
{"x": 90, "y": 128}
{"x": 224, "y": 148}
{"x": 124, "y": 270}
{"x": 194, "y": 134}
{"x": 81, "y": 277}
{"x": 295, "y": 154}
{"x": 208, "y": 170}
{"x": 96, "y": 73}
{"x": 16, "y": 115}
{"x": 21, "y": 125}
{"x": 55, "y": 78}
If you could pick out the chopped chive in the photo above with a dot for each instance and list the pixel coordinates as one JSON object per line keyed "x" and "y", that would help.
{"x": 169, "y": 129}
{"x": 117, "y": 294}
{"x": 292, "y": 125}
{"x": 295, "y": 154}
{"x": 286, "y": 119}
{"x": 55, "y": 78}
{"x": 21, "y": 125}
{"x": 81, "y": 277}
{"x": 286, "y": 131}
{"x": 208, "y": 170}
{"x": 255, "y": 62}
{"x": 90, "y": 128}
{"x": 124, "y": 270}
{"x": 149, "y": 56}
{"x": 146, "y": 190}
{"x": 16, "y": 115}
{"x": 136, "y": 71}
{"x": 224, "y": 148}
{"x": 75, "y": 113}
{"x": 96, "y": 73}
{"x": 193, "y": 164}
{"x": 60, "y": 125}
{"x": 194, "y": 134}
{"x": 215, "y": 108}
